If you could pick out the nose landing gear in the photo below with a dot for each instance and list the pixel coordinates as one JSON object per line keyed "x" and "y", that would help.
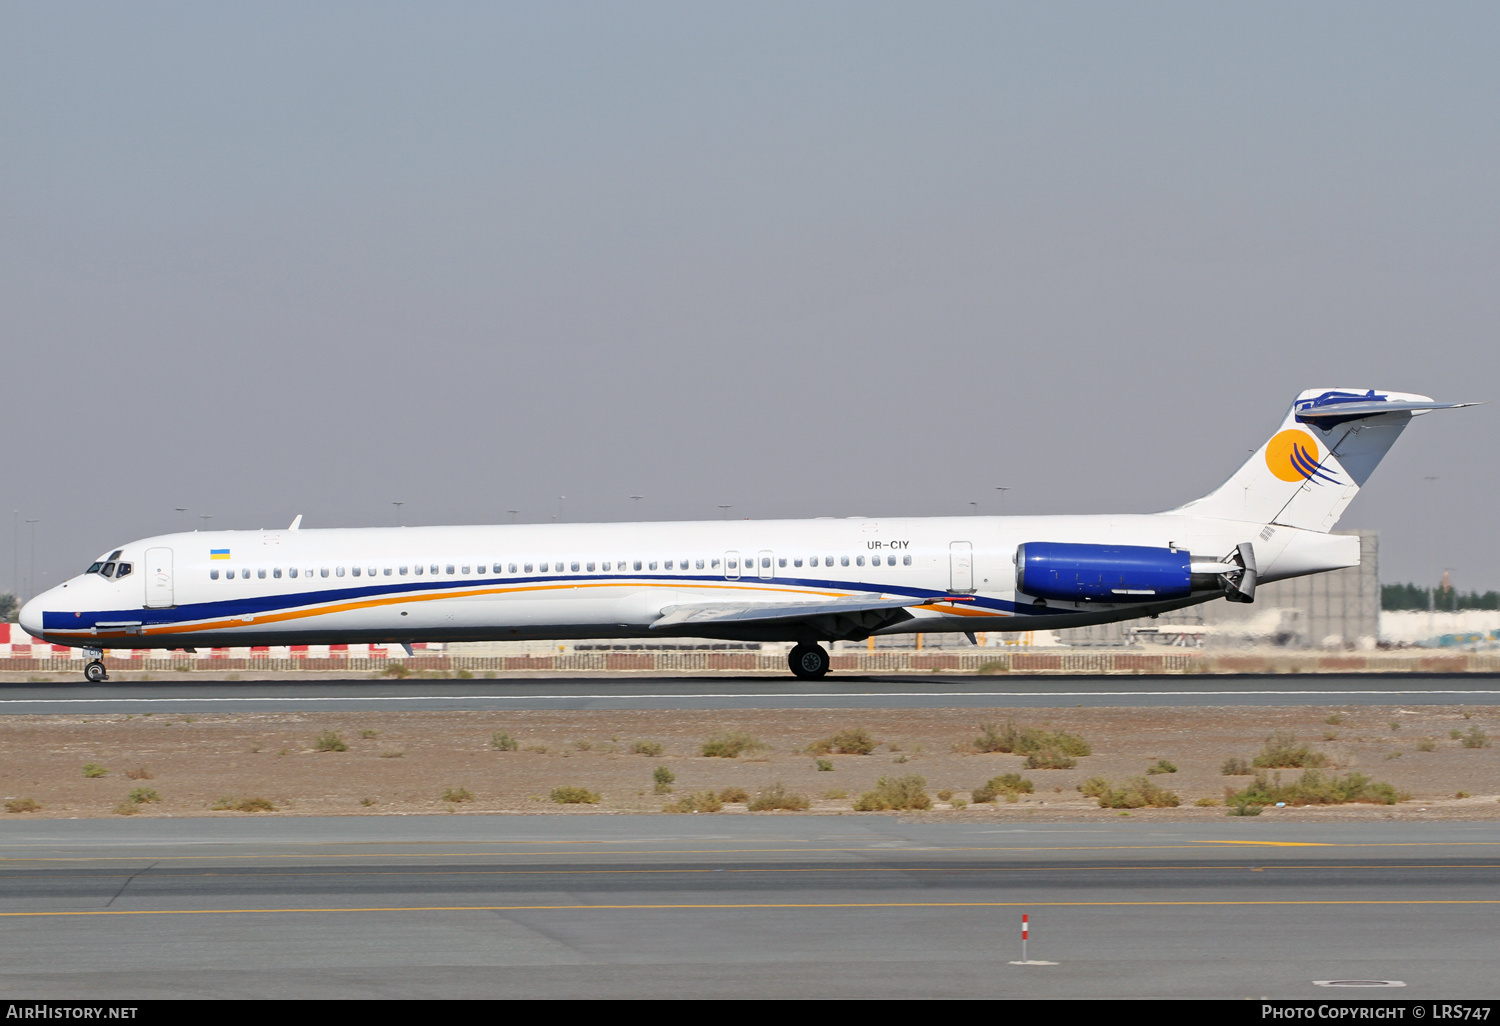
{"x": 95, "y": 672}
{"x": 809, "y": 662}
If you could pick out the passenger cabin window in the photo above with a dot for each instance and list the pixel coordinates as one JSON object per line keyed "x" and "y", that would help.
{"x": 843, "y": 561}
{"x": 355, "y": 571}
{"x": 388, "y": 571}
{"x": 292, "y": 572}
{"x": 261, "y": 573}
{"x": 637, "y": 564}
{"x": 465, "y": 569}
{"x": 512, "y": 568}
{"x": 245, "y": 574}
{"x": 906, "y": 561}
{"x": 500, "y": 569}
{"x": 276, "y": 573}
{"x": 213, "y": 575}
{"x": 372, "y": 571}
{"x": 338, "y": 571}
{"x": 323, "y": 572}
{"x": 796, "y": 562}
{"x": 858, "y": 561}
{"x": 530, "y": 567}
{"x": 402, "y": 571}
{"x": 450, "y": 568}
{"x": 591, "y": 568}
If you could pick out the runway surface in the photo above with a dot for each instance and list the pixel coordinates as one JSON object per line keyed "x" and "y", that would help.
{"x": 747, "y": 692}
{"x": 767, "y": 906}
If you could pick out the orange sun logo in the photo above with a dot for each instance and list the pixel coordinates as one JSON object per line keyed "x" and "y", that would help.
{"x": 1294, "y": 456}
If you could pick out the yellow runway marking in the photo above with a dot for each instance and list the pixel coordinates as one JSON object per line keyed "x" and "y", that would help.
{"x": 750, "y": 906}
{"x": 1275, "y": 844}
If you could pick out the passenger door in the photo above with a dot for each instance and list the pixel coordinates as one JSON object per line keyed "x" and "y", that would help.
{"x": 158, "y": 578}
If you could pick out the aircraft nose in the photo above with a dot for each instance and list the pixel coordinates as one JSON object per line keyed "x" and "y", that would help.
{"x": 31, "y": 616}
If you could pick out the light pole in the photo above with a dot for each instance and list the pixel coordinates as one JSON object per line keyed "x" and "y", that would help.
{"x": 398, "y": 506}
{"x": 1002, "y": 491}
{"x": 205, "y": 517}
{"x": 513, "y": 513}
{"x": 15, "y": 557}
{"x": 726, "y": 507}
{"x": 31, "y": 581}
{"x": 180, "y": 509}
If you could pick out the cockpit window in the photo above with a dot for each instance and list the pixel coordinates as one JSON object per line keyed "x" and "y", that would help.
{"x": 116, "y": 554}
{"x": 94, "y": 569}
{"x": 109, "y": 570}
{"x": 123, "y": 570}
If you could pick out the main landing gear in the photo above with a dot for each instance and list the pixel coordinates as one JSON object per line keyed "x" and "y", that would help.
{"x": 809, "y": 662}
{"x": 94, "y": 672}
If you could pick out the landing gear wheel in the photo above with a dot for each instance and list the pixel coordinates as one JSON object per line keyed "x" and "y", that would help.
{"x": 809, "y": 662}
{"x": 95, "y": 672}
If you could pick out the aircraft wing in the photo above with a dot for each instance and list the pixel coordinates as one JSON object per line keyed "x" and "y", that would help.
{"x": 835, "y": 618}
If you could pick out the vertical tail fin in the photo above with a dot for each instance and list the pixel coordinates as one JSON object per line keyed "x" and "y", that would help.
{"x": 1308, "y": 472}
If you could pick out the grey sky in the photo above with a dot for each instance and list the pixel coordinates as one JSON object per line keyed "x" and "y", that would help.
{"x": 808, "y": 259}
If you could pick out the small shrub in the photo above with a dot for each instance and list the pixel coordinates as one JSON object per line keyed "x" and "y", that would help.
{"x": 1462, "y": 794}
{"x": 1335, "y": 719}
{"x": 958, "y": 803}
{"x": 902, "y": 758}
{"x": 1050, "y": 758}
{"x": 731, "y": 745}
{"x": 367, "y": 802}
{"x": 391, "y": 755}
{"x": 896, "y": 794}
{"x": 1162, "y": 766}
{"x": 853, "y": 741}
{"x": 1137, "y": 793}
{"x": 139, "y": 773}
{"x": 703, "y": 801}
{"x": 1392, "y": 755}
{"x": 824, "y": 766}
{"x": 458, "y": 794}
{"x": 1093, "y": 787}
{"x": 368, "y": 734}
{"x": 1206, "y": 803}
{"x": 1236, "y": 767}
{"x": 574, "y": 796}
{"x": 1330, "y": 735}
{"x": 328, "y": 741}
{"x": 1243, "y": 809}
{"x": 994, "y": 666}
{"x": 777, "y": 797}
{"x": 651, "y": 748}
{"x": 1316, "y": 788}
{"x": 1455, "y": 733}
{"x": 1427, "y": 744}
{"x": 945, "y": 795}
{"x": 254, "y": 805}
{"x": 500, "y": 741}
{"x": 1011, "y": 785}
{"x": 464, "y": 675}
{"x": 1281, "y": 751}
{"x": 143, "y": 795}
{"x": 93, "y": 769}
{"x": 127, "y": 809}
{"x": 1014, "y": 740}
{"x": 835, "y": 794}
{"x": 1475, "y": 738}
{"x": 23, "y": 805}
{"x": 1395, "y": 725}
{"x": 664, "y": 779}
{"x": 584, "y": 746}
{"x": 397, "y": 670}
{"x": 538, "y": 749}
{"x": 734, "y": 796}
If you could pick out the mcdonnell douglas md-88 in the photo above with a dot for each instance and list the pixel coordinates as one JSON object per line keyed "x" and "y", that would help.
{"x": 802, "y": 581}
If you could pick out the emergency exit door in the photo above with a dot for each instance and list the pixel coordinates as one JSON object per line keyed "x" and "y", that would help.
{"x": 961, "y": 568}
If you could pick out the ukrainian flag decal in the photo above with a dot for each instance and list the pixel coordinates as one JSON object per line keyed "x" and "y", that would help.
{"x": 218, "y": 553}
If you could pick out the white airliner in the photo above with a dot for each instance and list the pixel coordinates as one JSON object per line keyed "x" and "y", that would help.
{"x": 804, "y": 581}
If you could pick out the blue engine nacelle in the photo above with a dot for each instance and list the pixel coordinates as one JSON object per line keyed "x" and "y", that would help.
{"x": 1102, "y": 573}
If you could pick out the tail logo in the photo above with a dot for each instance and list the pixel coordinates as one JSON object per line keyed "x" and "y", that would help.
{"x": 1293, "y": 456}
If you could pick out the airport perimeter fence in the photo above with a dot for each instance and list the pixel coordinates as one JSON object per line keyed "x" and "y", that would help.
{"x": 873, "y": 662}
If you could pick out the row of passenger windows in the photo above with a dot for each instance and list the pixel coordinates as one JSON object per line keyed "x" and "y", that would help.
{"x": 730, "y": 564}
